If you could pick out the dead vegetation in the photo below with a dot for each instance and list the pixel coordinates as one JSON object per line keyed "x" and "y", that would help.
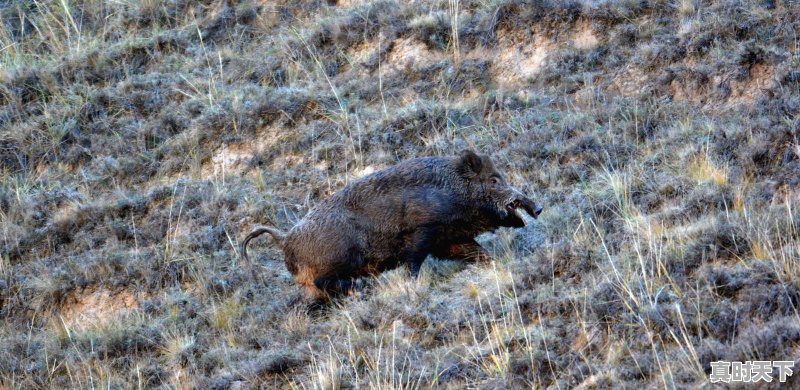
{"x": 139, "y": 141}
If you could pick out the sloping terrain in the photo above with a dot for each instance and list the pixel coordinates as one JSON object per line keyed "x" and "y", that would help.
{"x": 141, "y": 140}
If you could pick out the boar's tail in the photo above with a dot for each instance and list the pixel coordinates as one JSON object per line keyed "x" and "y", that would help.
{"x": 276, "y": 234}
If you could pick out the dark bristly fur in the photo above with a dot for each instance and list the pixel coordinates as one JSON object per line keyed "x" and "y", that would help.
{"x": 400, "y": 215}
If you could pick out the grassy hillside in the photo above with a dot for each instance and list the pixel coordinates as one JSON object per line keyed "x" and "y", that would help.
{"x": 141, "y": 140}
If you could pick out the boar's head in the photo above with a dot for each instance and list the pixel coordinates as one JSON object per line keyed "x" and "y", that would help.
{"x": 493, "y": 196}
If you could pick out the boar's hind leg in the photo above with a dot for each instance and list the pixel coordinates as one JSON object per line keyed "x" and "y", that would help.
{"x": 334, "y": 286}
{"x": 469, "y": 251}
{"x": 340, "y": 277}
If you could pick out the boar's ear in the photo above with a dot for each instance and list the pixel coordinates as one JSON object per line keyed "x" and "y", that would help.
{"x": 470, "y": 163}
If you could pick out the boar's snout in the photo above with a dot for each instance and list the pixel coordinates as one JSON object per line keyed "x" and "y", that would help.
{"x": 524, "y": 204}
{"x": 531, "y": 208}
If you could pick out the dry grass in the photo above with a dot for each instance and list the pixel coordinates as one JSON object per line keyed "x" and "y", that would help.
{"x": 140, "y": 140}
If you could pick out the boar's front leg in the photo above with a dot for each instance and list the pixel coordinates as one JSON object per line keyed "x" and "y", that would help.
{"x": 417, "y": 248}
{"x": 469, "y": 251}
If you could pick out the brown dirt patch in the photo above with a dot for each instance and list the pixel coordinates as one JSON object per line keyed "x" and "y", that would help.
{"x": 583, "y": 36}
{"x": 231, "y": 159}
{"x": 517, "y": 60}
{"x": 629, "y": 82}
{"x": 411, "y": 53}
{"x": 681, "y": 92}
{"x": 761, "y": 77}
{"x": 94, "y": 307}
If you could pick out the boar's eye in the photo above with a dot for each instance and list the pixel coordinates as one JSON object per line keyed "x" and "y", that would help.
{"x": 495, "y": 180}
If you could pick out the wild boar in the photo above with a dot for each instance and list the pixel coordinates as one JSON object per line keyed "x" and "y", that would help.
{"x": 398, "y": 216}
